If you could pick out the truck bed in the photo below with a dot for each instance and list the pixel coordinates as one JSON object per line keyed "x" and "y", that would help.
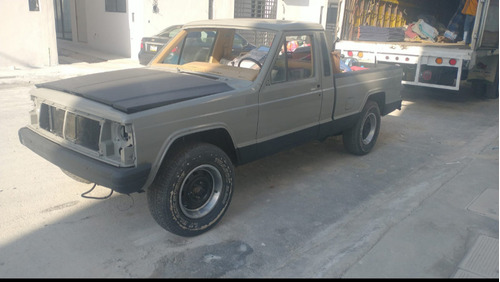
{"x": 376, "y": 79}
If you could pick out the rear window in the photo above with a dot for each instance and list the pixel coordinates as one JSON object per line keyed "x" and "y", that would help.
{"x": 169, "y": 32}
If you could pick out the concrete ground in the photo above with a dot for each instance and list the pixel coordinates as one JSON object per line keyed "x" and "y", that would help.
{"x": 422, "y": 204}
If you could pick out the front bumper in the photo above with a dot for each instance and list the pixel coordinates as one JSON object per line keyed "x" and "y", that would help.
{"x": 121, "y": 179}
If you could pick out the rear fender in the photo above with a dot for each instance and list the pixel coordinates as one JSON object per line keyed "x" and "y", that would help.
{"x": 378, "y": 97}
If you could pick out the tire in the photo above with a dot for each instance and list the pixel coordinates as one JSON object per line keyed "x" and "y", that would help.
{"x": 479, "y": 88}
{"x": 192, "y": 190}
{"x": 492, "y": 88}
{"x": 485, "y": 89}
{"x": 360, "y": 139}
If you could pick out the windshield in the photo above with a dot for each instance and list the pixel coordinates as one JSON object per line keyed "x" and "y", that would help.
{"x": 227, "y": 52}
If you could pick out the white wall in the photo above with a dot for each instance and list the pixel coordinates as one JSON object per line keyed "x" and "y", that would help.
{"x": 106, "y": 31}
{"x": 146, "y": 22}
{"x": 28, "y": 39}
{"x": 171, "y": 13}
{"x": 303, "y": 10}
{"x": 181, "y": 12}
{"x": 136, "y": 10}
{"x": 223, "y": 9}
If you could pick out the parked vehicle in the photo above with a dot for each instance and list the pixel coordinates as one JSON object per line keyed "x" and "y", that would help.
{"x": 431, "y": 52}
{"x": 177, "y": 127}
{"x": 151, "y": 45}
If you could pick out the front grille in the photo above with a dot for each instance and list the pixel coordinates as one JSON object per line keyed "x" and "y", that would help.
{"x": 70, "y": 126}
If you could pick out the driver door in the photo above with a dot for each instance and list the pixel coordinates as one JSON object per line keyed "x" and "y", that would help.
{"x": 289, "y": 104}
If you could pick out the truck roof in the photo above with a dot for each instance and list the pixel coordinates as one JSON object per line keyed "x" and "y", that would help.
{"x": 243, "y": 23}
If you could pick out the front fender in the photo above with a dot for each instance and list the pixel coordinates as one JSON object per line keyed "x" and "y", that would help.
{"x": 207, "y": 133}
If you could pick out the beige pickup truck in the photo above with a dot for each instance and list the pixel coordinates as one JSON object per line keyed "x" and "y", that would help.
{"x": 220, "y": 94}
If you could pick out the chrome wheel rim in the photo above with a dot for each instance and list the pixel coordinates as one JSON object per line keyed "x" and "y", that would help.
{"x": 368, "y": 129}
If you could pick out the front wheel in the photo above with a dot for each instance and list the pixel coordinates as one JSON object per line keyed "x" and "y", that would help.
{"x": 361, "y": 138}
{"x": 192, "y": 191}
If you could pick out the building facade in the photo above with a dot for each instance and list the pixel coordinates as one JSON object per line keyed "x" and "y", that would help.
{"x": 27, "y": 32}
{"x": 33, "y": 27}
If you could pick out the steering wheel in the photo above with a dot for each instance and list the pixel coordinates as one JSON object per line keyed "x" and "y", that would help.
{"x": 250, "y": 59}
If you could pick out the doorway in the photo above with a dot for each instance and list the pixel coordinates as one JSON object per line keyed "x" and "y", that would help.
{"x": 62, "y": 13}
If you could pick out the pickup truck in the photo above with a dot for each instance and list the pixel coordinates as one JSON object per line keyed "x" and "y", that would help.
{"x": 205, "y": 104}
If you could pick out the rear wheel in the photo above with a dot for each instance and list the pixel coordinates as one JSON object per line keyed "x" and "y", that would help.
{"x": 361, "y": 138}
{"x": 492, "y": 88}
{"x": 486, "y": 89}
{"x": 193, "y": 190}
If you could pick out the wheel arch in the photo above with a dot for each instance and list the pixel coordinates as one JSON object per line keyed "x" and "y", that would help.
{"x": 217, "y": 136}
{"x": 379, "y": 98}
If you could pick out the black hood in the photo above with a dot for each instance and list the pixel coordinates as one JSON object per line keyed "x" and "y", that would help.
{"x": 138, "y": 89}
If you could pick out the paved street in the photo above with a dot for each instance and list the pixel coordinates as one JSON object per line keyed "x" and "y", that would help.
{"x": 423, "y": 203}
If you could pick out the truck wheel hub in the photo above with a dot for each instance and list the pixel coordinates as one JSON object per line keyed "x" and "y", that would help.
{"x": 368, "y": 130}
{"x": 200, "y": 191}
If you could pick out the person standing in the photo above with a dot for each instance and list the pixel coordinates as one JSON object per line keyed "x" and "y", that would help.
{"x": 469, "y": 11}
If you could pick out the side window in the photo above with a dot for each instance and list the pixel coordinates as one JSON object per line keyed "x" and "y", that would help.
{"x": 295, "y": 60}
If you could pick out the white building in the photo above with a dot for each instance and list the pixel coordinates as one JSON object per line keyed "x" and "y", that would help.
{"x": 27, "y": 33}
{"x": 30, "y": 29}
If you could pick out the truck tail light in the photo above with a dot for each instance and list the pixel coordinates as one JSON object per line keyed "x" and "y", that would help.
{"x": 439, "y": 61}
{"x": 349, "y": 53}
{"x": 360, "y": 54}
{"x": 142, "y": 44}
{"x": 453, "y": 62}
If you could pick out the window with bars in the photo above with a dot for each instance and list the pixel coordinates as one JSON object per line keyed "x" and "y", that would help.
{"x": 264, "y": 9}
